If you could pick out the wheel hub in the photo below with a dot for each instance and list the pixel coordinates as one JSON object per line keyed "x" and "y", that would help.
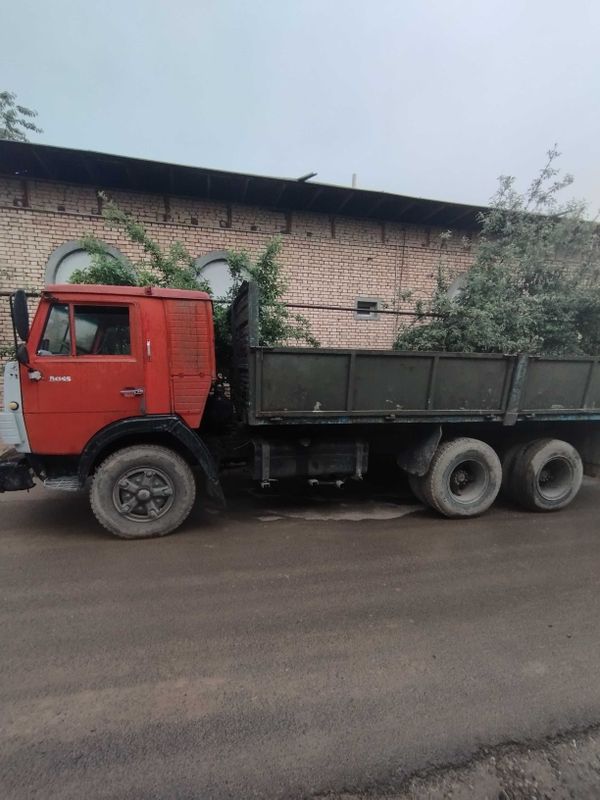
{"x": 468, "y": 481}
{"x": 143, "y": 494}
{"x": 555, "y": 478}
{"x": 461, "y": 478}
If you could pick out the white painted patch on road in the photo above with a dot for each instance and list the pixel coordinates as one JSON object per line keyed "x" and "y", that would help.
{"x": 348, "y": 512}
{"x": 535, "y": 669}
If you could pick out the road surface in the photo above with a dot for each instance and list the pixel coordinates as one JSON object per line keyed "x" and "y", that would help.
{"x": 288, "y": 648}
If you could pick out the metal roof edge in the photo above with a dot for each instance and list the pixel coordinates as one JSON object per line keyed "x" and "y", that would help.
{"x": 112, "y": 171}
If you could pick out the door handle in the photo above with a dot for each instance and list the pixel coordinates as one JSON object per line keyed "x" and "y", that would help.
{"x": 132, "y": 392}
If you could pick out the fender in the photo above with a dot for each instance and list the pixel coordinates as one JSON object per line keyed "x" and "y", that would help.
{"x": 153, "y": 424}
{"x": 416, "y": 459}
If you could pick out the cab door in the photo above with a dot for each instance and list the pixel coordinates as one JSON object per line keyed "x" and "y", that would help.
{"x": 86, "y": 371}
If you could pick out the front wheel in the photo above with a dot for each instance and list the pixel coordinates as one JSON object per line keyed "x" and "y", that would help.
{"x": 142, "y": 491}
{"x": 464, "y": 478}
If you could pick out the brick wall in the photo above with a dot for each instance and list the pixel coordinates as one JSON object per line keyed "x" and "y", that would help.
{"x": 327, "y": 260}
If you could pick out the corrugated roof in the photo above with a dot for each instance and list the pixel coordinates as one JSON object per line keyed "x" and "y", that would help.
{"x": 103, "y": 170}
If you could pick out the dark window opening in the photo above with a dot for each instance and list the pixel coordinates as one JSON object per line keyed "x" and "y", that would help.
{"x": 367, "y": 309}
{"x": 102, "y": 331}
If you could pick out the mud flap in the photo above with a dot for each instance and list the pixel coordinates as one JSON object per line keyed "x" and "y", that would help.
{"x": 416, "y": 459}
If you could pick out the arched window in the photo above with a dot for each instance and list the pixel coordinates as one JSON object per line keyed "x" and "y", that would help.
{"x": 67, "y": 258}
{"x": 457, "y": 287}
{"x": 214, "y": 268}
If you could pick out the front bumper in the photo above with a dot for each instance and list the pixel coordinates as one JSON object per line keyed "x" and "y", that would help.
{"x": 9, "y": 428}
{"x": 15, "y": 475}
{"x": 12, "y": 422}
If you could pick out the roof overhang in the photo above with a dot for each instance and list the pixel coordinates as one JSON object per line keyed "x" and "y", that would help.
{"x": 102, "y": 170}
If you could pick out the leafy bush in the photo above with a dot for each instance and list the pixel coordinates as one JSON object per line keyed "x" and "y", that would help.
{"x": 173, "y": 268}
{"x": 276, "y": 324}
{"x": 534, "y": 286}
{"x": 176, "y": 268}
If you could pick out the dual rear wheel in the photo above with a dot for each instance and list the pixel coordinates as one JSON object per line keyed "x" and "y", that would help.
{"x": 465, "y": 476}
{"x": 543, "y": 475}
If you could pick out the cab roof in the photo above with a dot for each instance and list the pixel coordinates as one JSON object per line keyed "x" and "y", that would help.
{"x": 124, "y": 291}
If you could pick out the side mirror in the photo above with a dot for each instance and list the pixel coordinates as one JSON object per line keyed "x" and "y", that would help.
{"x": 23, "y": 354}
{"x": 20, "y": 314}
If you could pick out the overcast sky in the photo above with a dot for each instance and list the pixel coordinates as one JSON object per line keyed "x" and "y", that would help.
{"x": 432, "y": 98}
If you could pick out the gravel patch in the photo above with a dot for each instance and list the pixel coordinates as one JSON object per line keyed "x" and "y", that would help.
{"x": 561, "y": 768}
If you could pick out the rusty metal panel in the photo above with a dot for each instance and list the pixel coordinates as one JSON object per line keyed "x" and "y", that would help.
{"x": 390, "y": 382}
{"x": 466, "y": 382}
{"x": 555, "y": 384}
{"x": 298, "y": 386}
{"x": 309, "y": 381}
{"x": 350, "y": 386}
{"x": 376, "y": 383}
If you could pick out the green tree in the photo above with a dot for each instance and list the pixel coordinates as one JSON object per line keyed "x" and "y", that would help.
{"x": 16, "y": 121}
{"x": 174, "y": 267}
{"x": 276, "y": 324}
{"x": 171, "y": 267}
{"x": 534, "y": 285}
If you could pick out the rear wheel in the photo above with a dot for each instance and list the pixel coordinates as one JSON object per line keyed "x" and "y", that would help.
{"x": 464, "y": 478}
{"x": 142, "y": 491}
{"x": 547, "y": 475}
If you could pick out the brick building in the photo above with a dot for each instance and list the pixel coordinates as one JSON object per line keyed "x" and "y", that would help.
{"x": 345, "y": 247}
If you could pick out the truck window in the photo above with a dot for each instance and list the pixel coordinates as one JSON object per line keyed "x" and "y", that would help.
{"x": 102, "y": 331}
{"x": 56, "y": 339}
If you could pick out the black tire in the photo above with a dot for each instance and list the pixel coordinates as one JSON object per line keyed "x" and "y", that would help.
{"x": 142, "y": 491}
{"x": 416, "y": 486}
{"x": 464, "y": 478}
{"x": 547, "y": 475}
{"x": 509, "y": 460}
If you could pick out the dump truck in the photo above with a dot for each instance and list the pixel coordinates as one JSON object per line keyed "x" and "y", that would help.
{"x": 115, "y": 389}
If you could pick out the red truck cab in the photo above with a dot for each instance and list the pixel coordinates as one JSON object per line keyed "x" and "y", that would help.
{"x": 110, "y": 384}
{"x": 98, "y": 354}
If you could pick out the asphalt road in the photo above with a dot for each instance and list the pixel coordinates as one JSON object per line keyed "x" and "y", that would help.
{"x": 264, "y": 654}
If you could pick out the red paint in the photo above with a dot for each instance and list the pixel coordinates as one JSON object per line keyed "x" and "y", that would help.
{"x": 172, "y": 360}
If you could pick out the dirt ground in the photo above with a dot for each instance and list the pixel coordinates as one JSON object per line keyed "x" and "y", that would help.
{"x": 297, "y": 646}
{"x": 562, "y": 768}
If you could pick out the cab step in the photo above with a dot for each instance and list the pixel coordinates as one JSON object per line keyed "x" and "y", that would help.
{"x": 66, "y": 483}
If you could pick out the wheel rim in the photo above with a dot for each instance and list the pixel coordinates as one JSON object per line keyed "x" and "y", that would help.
{"x": 555, "y": 479}
{"x": 468, "y": 481}
{"x": 143, "y": 494}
